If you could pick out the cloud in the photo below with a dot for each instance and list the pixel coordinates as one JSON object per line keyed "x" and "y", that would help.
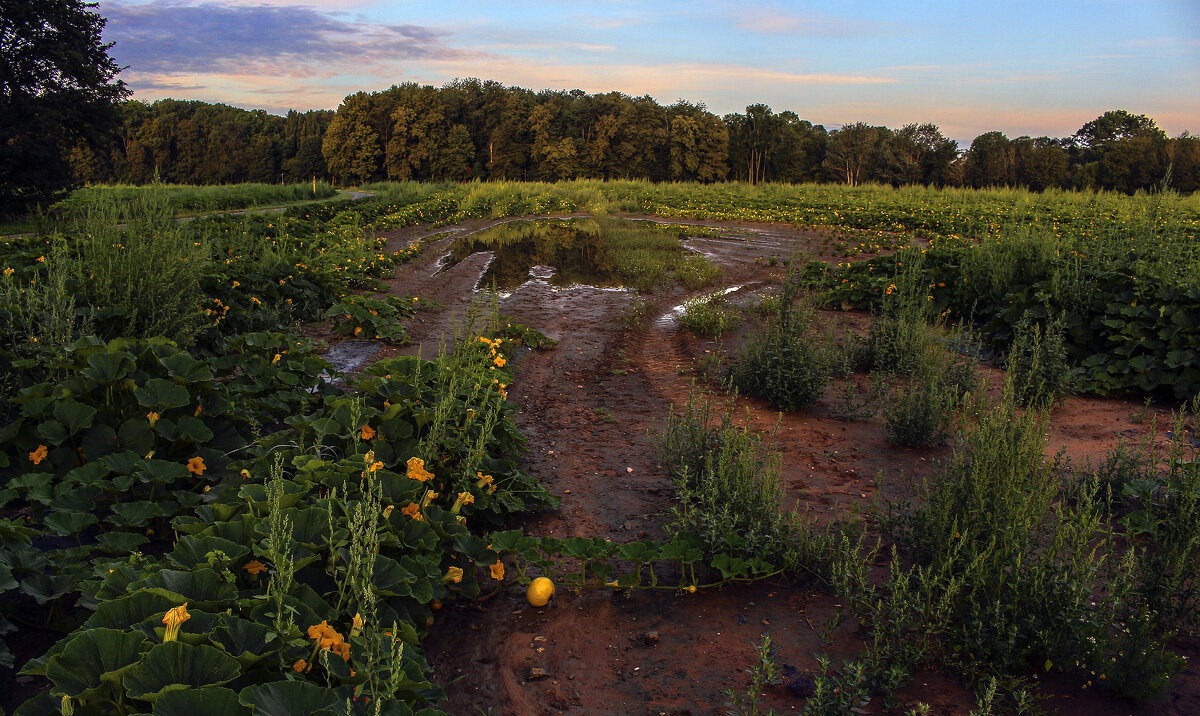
{"x": 775, "y": 20}
{"x": 171, "y": 37}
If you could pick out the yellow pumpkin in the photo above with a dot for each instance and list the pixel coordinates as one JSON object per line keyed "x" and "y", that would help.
{"x": 539, "y": 591}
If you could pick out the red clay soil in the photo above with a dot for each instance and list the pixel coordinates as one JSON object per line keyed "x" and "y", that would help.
{"x": 586, "y": 407}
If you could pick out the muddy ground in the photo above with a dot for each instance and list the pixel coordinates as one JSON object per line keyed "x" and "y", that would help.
{"x": 587, "y": 406}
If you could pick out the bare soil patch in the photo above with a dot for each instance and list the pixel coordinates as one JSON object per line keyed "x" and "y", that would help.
{"x": 586, "y": 407}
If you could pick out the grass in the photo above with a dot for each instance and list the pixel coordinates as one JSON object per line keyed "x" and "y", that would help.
{"x": 183, "y": 200}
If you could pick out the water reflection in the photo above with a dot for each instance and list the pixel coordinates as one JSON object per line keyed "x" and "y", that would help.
{"x": 573, "y": 247}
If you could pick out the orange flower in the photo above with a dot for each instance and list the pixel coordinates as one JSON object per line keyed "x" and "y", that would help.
{"x": 329, "y": 639}
{"x": 254, "y": 567}
{"x": 417, "y": 471}
{"x": 497, "y": 570}
{"x": 499, "y": 361}
{"x": 300, "y": 666}
{"x": 413, "y": 510}
{"x": 38, "y": 455}
{"x": 173, "y": 619}
{"x": 356, "y": 624}
{"x": 152, "y": 417}
{"x": 196, "y": 466}
{"x": 368, "y": 433}
{"x": 454, "y": 574}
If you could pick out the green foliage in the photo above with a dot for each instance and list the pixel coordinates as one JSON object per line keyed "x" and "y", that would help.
{"x": 308, "y": 574}
{"x": 727, "y": 484}
{"x": 138, "y": 278}
{"x": 367, "y": 317}
{"x": 62, "y": 93}
{"x": 1037, "y": 363}
{"x": 764, "y": 672}
{"x": 922, "y": 409}
{"x": 709, "y": 316}
{"x": 790, "y": 364}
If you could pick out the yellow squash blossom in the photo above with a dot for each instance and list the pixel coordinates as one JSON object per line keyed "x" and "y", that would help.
{"x": 417, "y": 471}
{"x": 254, "y": 567}
{"x": 173, "y": 619}
{"x": 497, "y": 570}
{"x": 152, "y": 417}
{"x": 196, "y": 466}
{"x": 454, "y": 574}
{"x": 38, "y": 455}
{"x": 300, "y": 666}
{"x": 412, "y": 510}
{"x": 368, "y": 433}
{"x": 328, "y": 639}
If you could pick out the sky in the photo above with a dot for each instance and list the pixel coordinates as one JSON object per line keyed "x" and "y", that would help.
{"x": 1040, "y": 68}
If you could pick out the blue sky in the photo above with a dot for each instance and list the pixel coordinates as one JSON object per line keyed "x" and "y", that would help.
{"x": 1035, "y": 68}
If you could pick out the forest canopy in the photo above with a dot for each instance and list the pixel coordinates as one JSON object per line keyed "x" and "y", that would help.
{"x": 473, "y": 129}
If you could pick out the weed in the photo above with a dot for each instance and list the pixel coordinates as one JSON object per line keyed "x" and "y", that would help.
{"x": 638, "y": 312}
{"x": 764, "y": 672}
{"x": 1037, "y": 362}
{"x": 709, "y": 316}
{"x": 791, "y": 363}
{"x": 922, "y": 409}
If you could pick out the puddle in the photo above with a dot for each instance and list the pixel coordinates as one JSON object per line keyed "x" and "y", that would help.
{"x": 560, "y": 252}
{"x": 567, "y": 252}
{"x": 349, "y": 355}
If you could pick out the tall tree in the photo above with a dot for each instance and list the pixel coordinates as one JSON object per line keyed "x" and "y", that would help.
{"x": 852, "y": 152}
{"x": 351, "y": 146}
{"x": 699, "y": 144}
{"x": 58, "y": 87}
{"x": 989, "y": 161}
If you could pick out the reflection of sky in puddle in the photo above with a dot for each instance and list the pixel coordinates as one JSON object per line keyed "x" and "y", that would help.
{"x": 560, "y": 252}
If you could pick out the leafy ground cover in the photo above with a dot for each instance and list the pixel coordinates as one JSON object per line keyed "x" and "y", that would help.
{"x": 207, "y": 520}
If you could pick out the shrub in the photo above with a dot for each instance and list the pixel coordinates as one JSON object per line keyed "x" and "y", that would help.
{"x": 923, "y": 408}
{"x": 709, "y": 316}
{"x": 727, "y": 483}
{"x": 1037, "y": 362}
{"x": 789, "y": 364}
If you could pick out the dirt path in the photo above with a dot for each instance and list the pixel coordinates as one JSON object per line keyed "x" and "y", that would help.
{"x": 586, "y": 407}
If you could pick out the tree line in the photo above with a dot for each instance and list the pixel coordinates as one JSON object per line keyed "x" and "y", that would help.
{"x": 472, "y": 129}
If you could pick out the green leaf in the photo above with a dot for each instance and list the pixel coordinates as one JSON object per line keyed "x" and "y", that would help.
{"x": 210, "y": 700}
{"x": 45, "y": 587}
{"x": 242, "y": 639}
{"x": 136, "y": 435}
{"x": 53, "y": 432}
{"x": 175, "y": 666}
{"x": 80, "y": 498}
{"x": 108, "y": 367}
{"x": 94, "y": 658}
{"x": 6, "y": 579}
{"x": 161, "y": 394}
{"x": 197, "y": 586}
{"x": 162, "y": 471}
{"x": 124, "y": 612}
{"x": 100, "y": 441}
{"x": 289, "y": 698}
{"x": 192, "y": 550}
{"x": 122, "y": 542}
{"x": 193, "y": 429}
{"x": 66, "y": 524}
{"x": 186, "y": 368}
{"x": 135, "y": 514}
{"x": 75, "y": 415}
